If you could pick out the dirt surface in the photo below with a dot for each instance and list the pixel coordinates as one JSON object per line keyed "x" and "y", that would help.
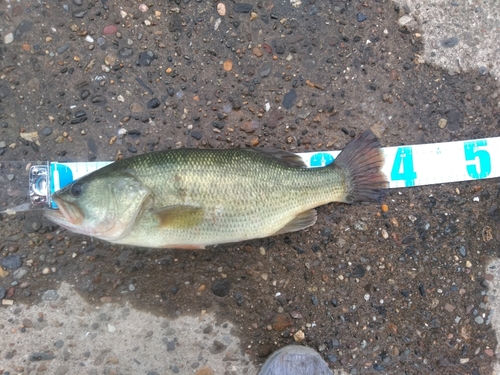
{"x": 402, "y": 291}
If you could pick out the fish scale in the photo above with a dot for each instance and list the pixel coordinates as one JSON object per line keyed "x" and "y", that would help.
{"x": 192, "y": 198}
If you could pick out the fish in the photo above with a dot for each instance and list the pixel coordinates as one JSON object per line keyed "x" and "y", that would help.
{"x": 191, "y": 198}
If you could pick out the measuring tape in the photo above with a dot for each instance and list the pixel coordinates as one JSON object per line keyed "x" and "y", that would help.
{"x": 404, "y": 166}
{"x": 434, "y": 163}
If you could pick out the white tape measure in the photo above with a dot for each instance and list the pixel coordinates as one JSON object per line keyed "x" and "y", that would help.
{"x": 434, "y": 163}
{"x": 404, "y": 166}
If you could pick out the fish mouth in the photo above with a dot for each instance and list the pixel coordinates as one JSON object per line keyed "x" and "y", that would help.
{"x": 68, "y": 214}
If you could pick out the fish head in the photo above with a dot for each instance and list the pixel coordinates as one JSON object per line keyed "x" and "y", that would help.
{"x": 100, "y": 205}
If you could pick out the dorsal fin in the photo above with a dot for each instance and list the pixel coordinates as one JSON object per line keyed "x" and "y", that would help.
{"x": 287, "y": 158}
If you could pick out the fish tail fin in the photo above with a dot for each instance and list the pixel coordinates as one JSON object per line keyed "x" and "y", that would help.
{"x": 362, "y": 160}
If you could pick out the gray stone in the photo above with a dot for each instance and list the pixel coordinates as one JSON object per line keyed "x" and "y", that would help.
{"x": 24, "y": 27}
{"x": 243, "y": 8}
{"x": 221, "y": 287}
{"x": 47, "y": 131}
{"x": 19, "y": 273}
{"x": 265, "y": 70}
{"x": 11, "y": 262}
{"x": 449, "y": 42}
{"x": 50, "y": 295}
{"x": 39, "y": 356}
{"x": 61, "y": 370}
{"x": 63, "y": 48}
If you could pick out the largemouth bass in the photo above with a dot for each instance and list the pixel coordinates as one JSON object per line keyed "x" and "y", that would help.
{"x": 192, "y": 198}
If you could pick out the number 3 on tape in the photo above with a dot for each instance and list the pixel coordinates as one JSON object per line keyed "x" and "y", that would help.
{"x": 472, "y": 152}
{"x": 402, "y": 169}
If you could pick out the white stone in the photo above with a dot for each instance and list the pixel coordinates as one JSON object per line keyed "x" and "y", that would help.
{"x": 217, "y": 24}
{"x": 9, "y": 38}
{"x": 405, "y": 20}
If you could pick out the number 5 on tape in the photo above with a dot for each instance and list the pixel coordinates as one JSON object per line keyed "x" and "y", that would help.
{"x": 480, "y": 159}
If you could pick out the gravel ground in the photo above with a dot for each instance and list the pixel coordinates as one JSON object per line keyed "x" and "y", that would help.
{"x": 402, "y": 290}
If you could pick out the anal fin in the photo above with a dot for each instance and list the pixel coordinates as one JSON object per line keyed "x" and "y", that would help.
{"x": 301, "y": 221}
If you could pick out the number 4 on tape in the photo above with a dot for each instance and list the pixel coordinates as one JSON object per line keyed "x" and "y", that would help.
{"x": 402, "y": 169}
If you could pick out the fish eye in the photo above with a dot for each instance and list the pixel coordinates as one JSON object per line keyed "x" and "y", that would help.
{"x": 76, "y": 190}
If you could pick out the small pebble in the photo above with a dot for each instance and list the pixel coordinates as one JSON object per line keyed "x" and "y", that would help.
{"x": 257, "y": 52}
{"x": 50, "y": 295}
{"x": 110, "y": 60}
{"x": 136, "y": 107}
{"x": 196, "y": 134}
{"x": 11, "y": 262}
{"x": 331, "y": 358}
{"x": 243, "y": 8}
{"x": 489, "y": 352}
{"x": 63, "y": 48}
{"x": 221, "y": 287}
{"x": 289, "y": 99}
{"x": 80, "y": 14}
{"x": 19, "y": 273}
{"x": 9, "y": 38}
{"x": 153, "y": 103}
{"x": 205, "y": 371}
{"x": 448, "y": 307}
{"x": 221, "y": 9}
{"x": 228, "y": 65}
{"x": 110, "y": 30}
{"x": 449, "y": 42}
{"x": 361, "y": 17}
{"x": 146, "y": 58}
{"x": 299, "y": 336}
{"x": 378, "y": 367}
{"x": 47, "y": 131}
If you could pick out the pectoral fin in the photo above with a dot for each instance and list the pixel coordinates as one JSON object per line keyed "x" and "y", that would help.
{"x": 301, "y": 221}
{"x": 179, "y": 217}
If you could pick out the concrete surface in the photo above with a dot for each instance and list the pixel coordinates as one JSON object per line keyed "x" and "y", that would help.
{"x": 459, "y": 36}
{"x": 114, "y": 339}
